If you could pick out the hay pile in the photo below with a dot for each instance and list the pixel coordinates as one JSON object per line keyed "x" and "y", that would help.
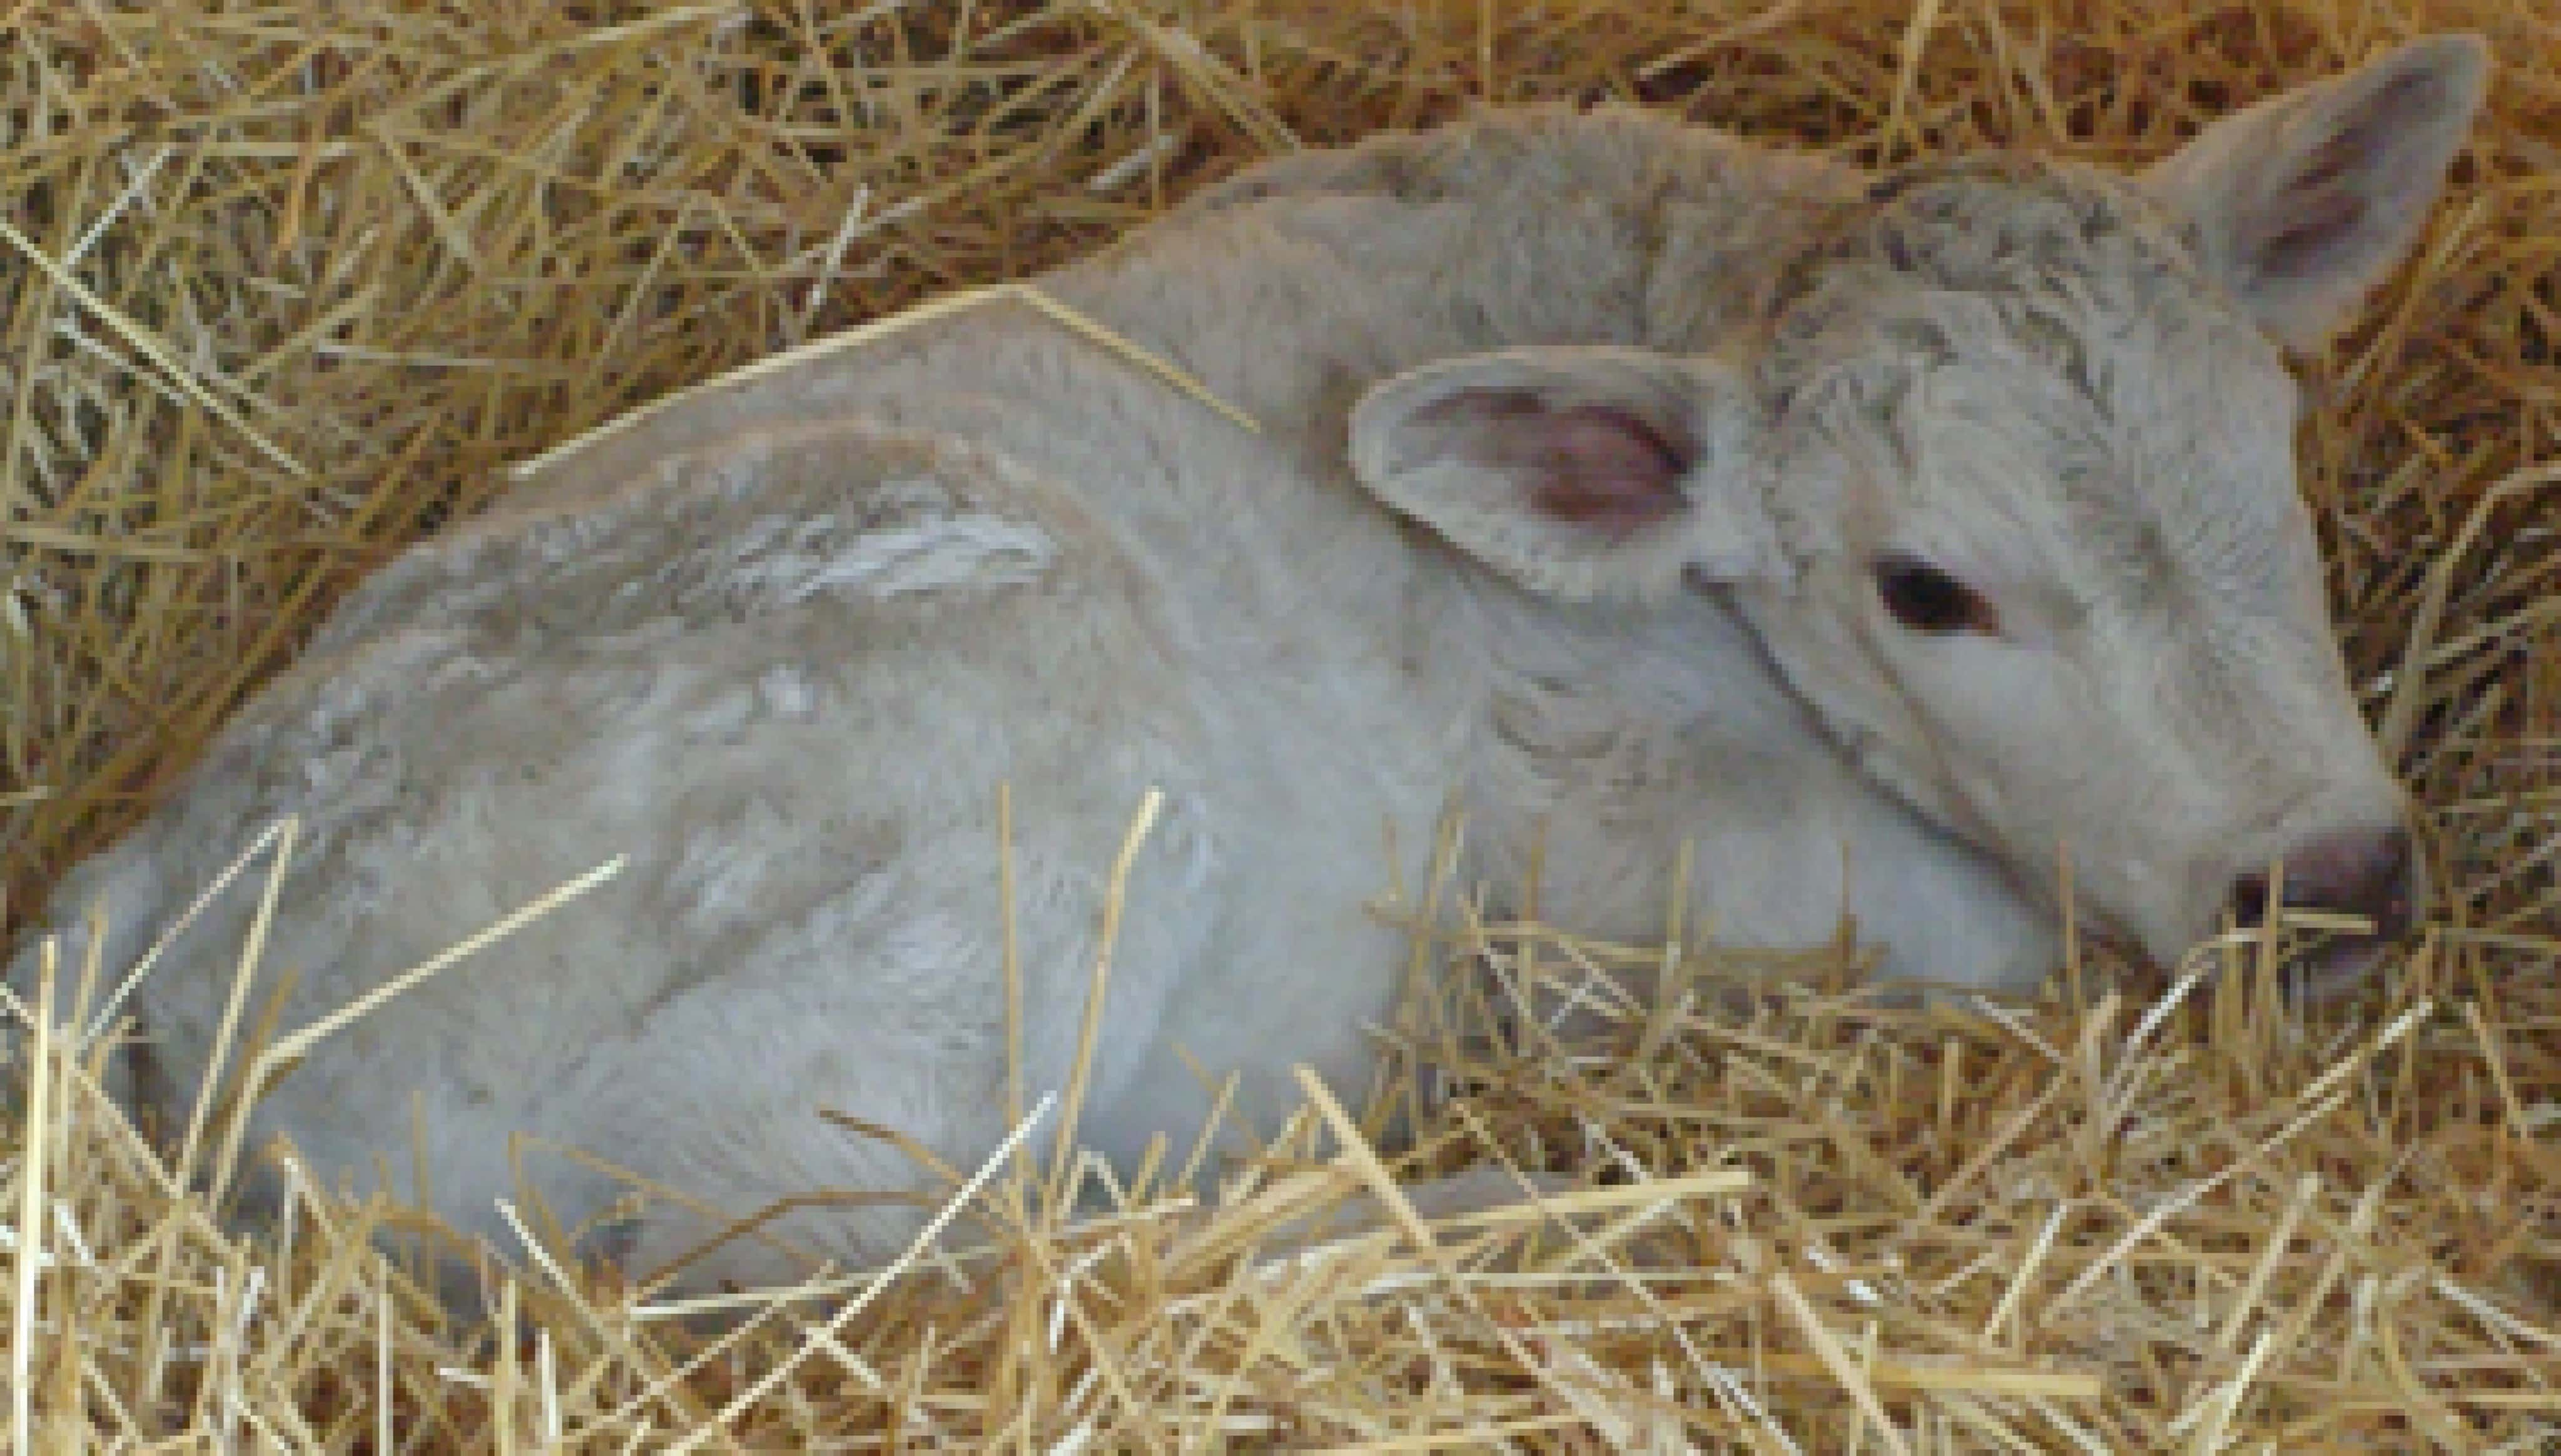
{"x": 287, "y": 283}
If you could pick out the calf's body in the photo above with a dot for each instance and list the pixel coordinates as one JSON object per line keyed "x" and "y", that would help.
{"x": 1565, "y": 505}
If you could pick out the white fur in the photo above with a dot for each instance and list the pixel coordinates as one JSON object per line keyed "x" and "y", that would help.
{"x": 781, "y": 643}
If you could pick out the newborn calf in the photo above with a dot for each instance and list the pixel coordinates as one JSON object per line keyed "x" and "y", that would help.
{"x": 1885, "y": 538}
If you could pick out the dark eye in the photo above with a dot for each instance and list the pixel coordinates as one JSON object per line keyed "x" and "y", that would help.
{"x": 1927, "y": 600}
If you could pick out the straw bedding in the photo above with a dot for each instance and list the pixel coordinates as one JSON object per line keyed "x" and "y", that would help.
{"x": 285, "y": 283}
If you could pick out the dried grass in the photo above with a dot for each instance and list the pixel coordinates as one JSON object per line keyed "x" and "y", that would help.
{"x": 287, "y": 284}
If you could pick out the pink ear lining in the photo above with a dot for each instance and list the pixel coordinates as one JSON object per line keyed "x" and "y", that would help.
{"x": 1604, "y": 469}
{"x": 2313, "y": 225}
{"x": 1596, "y": 466}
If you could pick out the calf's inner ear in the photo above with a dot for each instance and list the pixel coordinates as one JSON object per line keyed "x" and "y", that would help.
{"x": 1600, "y": 467}
{"x": 2306, "y": 200}
{"x": 1581, "y": 472}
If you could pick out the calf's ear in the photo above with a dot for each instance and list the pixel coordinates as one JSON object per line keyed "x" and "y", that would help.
{"x": 2304, "y": 201}
{"x": 1586, "y": 473}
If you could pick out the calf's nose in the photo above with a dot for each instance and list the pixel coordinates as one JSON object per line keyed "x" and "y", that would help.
{"x": 2366, "y": 873}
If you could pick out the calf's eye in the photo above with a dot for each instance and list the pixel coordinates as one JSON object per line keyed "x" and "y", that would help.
{"x": 1926, "y": 600}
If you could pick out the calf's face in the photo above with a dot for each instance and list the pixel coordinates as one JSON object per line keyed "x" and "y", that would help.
{"x": 2006, "y": 485}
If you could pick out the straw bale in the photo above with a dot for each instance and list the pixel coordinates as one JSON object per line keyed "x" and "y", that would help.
{"x": 286, "y": 283}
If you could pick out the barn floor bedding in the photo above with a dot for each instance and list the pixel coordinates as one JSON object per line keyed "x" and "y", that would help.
{"x": 286, "y": 284}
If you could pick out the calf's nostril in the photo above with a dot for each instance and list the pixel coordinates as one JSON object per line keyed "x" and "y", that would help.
{"x": 2250, "y": 900}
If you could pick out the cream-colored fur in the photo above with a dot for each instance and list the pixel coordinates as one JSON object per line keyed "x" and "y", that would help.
{"x": 1582, "y": 438}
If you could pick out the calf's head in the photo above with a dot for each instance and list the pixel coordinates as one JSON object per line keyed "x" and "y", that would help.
{"x": 2006, "y": 485}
